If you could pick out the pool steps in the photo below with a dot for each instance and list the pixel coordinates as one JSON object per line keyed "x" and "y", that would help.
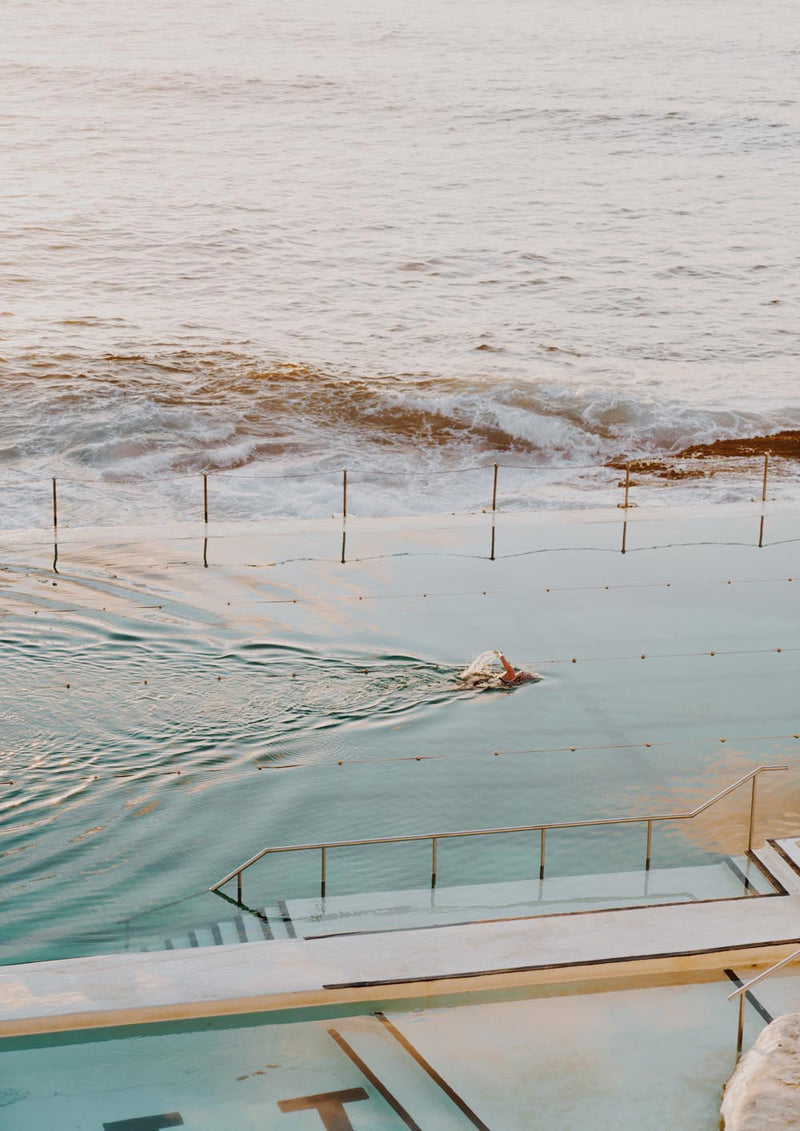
{"x": 247, "y": 926}
{"x": 732, "y": 877}
{"x": 367, "y": 966}
{"x": 778, "y": 861}
{"x": 675, "y": 940}
{"x": 775, "y": 863}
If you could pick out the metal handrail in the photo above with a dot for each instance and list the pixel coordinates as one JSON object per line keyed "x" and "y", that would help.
{"x": 543, "y": 829}
{"x": 743, "y": 991}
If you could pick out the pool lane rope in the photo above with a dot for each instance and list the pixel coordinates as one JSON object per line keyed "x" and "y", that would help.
{"x": 277, "y": 764}
{"x": 11, "y": 609}
{"x": 95, "y": 687}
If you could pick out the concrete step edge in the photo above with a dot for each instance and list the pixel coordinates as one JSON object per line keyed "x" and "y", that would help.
{"x": 778, "y": 868}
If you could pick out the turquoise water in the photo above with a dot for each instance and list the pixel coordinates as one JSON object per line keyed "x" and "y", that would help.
{"x": 195, "y": 733}
{"x": 560, "y": 1057}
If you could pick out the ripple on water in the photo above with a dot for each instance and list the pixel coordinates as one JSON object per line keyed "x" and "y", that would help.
{"x": 127, "y": 736}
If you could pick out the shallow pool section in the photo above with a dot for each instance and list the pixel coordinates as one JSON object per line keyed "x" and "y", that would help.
{"x": 604, "y": 1057}
{"x": 731, "y": 878}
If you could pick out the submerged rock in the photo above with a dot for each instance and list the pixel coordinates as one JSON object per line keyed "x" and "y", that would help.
{"x": 786, "y": 444}
{"x": 717, "y": 453}
{"x": 763, "y": 1094}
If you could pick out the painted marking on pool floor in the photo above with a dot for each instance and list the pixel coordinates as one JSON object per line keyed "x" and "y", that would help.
{"x": 434, "y": 1075}
{"x": 379, "y": 1086}
{"x": 751, "y": 997}
{"x": 146, "y": 1122}
{"x": 739, "y": 874}
{"x": 328, "y": 1105}
{"x": 287, "y": 919}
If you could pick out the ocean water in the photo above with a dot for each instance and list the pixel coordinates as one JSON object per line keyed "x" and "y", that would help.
{"x": 403, "y": 238}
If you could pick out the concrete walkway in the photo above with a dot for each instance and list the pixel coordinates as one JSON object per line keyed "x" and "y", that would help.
{"x": 132, "y": 988}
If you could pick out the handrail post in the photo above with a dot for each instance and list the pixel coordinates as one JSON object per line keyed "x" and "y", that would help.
{"x": 344, "y": 493}
{"x": 740, "y": 1026}
{"x": 494, "y": 488}
{"x": 764, "y": 484}
{"x": 239, "y": 888}
{"x": 744, "y": 988}
{"x": 752, "y": 812}
{"x": 649, "y": 844}
{"x": 434, "y": 843}
{"x": 55, "y": 503}
{"x": 322, "y": 875}
{"x": 205, "y": 498}
{"x": 541, "y": 855}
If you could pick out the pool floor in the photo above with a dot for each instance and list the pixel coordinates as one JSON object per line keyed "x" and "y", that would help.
{"x": 620, "y": 1059}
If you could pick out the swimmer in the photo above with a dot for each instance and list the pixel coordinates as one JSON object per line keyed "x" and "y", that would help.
{"x": 479, "y": 676}
{"x": 512, "y": 677}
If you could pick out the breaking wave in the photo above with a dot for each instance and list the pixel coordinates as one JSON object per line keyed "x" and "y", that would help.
{"x": 128, "y": 419}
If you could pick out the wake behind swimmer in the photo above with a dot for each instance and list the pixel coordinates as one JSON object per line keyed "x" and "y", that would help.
{"x": 482, "y": 673}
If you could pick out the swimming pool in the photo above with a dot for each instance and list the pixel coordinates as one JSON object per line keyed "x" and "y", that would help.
{"x": 167, "y": 720}
{"x": 605, "y": 1055}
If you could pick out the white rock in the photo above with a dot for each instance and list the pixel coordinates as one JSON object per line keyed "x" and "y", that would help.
{"x": 763, "y": 1094}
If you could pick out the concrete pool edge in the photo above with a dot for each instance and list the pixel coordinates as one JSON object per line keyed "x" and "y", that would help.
{"x": 124, "y": 989}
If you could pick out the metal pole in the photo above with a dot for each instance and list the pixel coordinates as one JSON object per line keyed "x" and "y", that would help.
{"x": 740, "y": 1028}
{"x": 344, "y": 493}
{"x": 322, "y": 877}
{"x": 205, "y": 498}
{"x": 433, "y": 862}
{"x": 239, "y": 888}
{"x": 494, "y": 488}
{"x": 541, "y": 856}
{"x": 55, "y": 504}
{"x": 764, "y": 485}
{"x": 649, "y": 845}
{"x": 752, "y": 812}
{"x": 627, "y": 482}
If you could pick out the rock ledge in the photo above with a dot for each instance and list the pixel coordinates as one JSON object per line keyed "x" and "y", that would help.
{"x": 763, "y": 1094}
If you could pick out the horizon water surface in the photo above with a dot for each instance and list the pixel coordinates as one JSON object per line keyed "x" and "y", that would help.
{"x": 398, "y": 238}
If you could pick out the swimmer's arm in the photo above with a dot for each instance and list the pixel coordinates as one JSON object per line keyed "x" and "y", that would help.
{"x": 508, "y": 668}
